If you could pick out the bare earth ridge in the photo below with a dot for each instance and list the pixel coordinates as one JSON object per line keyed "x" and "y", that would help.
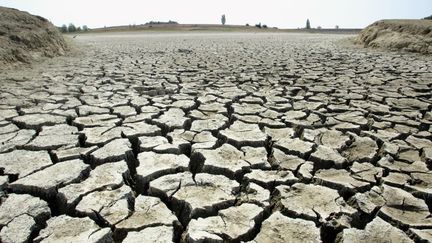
{"x": 25, "y": 38}
{"x": 407, "y": 35}
{"x": 221, "y": 137}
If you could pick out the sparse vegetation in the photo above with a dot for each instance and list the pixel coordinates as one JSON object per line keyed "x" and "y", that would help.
{"x": 72, "y": 28}
{"x": 63, "y": 28}
{"x": 308, "y": 25}
{"x": 161, "y": 22}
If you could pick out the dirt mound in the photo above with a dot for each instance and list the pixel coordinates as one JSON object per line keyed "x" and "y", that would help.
{"x": 407, "y": 35}
{"x": 25, "y": 37}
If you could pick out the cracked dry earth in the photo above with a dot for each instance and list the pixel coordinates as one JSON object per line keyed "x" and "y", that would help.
{"x": 217, "y": 138}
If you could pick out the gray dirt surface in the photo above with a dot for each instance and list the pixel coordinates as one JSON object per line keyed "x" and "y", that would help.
{"x": 253, "y": 137}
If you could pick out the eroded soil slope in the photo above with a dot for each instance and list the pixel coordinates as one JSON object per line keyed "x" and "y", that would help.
{"x": 405, "y": 35}
{"x": 25, "y": 37}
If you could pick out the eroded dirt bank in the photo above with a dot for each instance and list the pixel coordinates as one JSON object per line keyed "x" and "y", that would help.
{"x": 399, "y": 35}
{"x": 25, "y": 38}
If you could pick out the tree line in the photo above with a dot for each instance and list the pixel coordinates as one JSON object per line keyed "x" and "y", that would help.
{"x": 72, "y": 28}
{"x": 259, "y": 25}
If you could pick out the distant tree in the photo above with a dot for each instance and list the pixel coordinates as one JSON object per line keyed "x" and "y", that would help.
{"x": 258, "y": 25}
{"x": 430, "y": 17}
{"x": 223, "y": 19}
{"x": 71, "y": 28}
{"x": 337, "y": 27}
{"x": 319, "y": 27}
{"x": 247, "y": 25}
{"x": 264, "y": 26}
{"x": 78, "y": 29}
{"x": 308, "y": 26}
{"x": 64, "y": 28}
{"x": 85, "y": 28}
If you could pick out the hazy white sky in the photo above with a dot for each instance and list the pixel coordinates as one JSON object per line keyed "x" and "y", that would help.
{"x": 278, "y": 13}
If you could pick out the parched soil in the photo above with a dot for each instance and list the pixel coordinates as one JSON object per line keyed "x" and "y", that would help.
{"x": 223, "y": 137}
{"x": 25, "y": 38}
{"x": 400, "y": 35}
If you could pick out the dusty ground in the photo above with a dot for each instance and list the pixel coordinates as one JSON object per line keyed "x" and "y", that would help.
{"x": 25, "y": 38}
{"x": 224, "y": 137}
{"x": 399, "y": 35}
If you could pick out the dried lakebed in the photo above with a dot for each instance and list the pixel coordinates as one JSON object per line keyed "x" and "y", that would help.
{"x": 217, "y": 137}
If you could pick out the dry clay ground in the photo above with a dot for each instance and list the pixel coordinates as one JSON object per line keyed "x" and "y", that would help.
{"x": 217, "y": 137}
